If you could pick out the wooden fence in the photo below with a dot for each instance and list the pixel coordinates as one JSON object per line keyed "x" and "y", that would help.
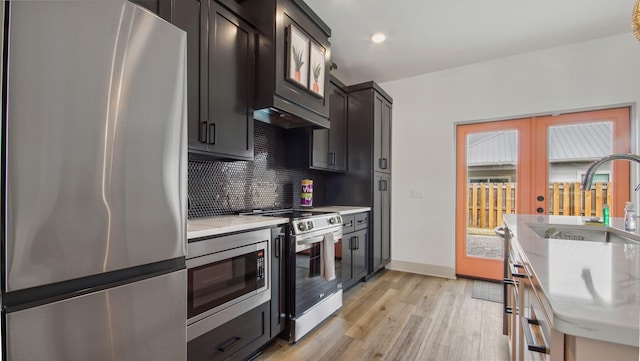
{"x": 488, "y": 202}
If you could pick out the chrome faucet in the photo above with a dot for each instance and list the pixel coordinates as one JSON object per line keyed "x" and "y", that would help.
{"x": 591, "y": 171}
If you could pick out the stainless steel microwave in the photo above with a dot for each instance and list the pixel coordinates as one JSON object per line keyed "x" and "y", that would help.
{"x": 227, "y": 276}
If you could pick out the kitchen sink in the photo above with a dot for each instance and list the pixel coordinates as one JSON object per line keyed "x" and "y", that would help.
{"x": 584, "y": 233}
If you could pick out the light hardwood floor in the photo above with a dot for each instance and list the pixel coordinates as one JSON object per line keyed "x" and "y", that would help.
{"x": 404, "y": 316}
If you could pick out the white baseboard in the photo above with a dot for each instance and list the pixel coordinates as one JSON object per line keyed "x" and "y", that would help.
{"x": 423, "y": 269}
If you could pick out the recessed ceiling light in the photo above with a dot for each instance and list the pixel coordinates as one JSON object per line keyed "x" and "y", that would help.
{"x": 378, "y": 37}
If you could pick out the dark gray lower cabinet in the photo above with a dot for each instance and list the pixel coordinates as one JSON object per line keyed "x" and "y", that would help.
{"x": 278, "y": 314}
{"x": 381, "y": 246}
{"x": 355, "y": 239}
{"x": 236, "y": 339}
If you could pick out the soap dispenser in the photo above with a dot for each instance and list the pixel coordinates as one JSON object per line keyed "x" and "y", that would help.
{"x": 629, "y": 217}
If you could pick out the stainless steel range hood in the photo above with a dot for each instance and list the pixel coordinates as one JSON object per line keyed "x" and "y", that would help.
{"x": 297, "y": 118}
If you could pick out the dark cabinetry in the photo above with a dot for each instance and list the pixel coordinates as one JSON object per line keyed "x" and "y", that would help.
{"x": 221, "y": 78}
{"x": 324, "y": 149}
{"x": 368, "y": 179}
{"x": 382, "y": 133}
{"x": 371, "y": 106}
{"x": 278, "y": 312}
{"x": 354, "y": 248}
{"x": 381, "y": 246}
{"x": 236, "y": 339}
{"x": 161, "y": 8}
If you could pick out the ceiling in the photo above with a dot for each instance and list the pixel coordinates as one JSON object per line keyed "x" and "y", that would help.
{"x": 425, "y": 36}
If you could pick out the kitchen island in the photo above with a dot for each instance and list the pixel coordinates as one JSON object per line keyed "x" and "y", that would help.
{"x": 589, "y": 290}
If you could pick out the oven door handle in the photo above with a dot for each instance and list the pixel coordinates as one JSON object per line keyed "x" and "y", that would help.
{"x": 317, "y": 239}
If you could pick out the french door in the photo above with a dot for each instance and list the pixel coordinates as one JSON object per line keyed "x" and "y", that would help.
{"x": 533, "y": 166}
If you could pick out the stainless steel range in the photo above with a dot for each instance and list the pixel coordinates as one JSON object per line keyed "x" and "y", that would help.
{"x": 313, "y": 271}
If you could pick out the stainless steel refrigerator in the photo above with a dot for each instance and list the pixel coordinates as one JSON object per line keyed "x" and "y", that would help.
{"x": 94, "y": 178}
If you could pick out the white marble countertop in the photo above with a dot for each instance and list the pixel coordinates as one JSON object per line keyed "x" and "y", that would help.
{"x": 343, "y": 210}
{"x": 608, "y": 311}
{"x": 213, "y": 226}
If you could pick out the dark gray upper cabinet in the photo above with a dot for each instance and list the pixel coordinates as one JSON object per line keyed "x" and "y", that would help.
{"x": 374, "y": 104}
{"x": 323, "y": 149}
{"x": 221, "y": 78}
{"x": 284, "y": 97}
{"x": 338, "y": 133}
{"x": 161, "y": 8}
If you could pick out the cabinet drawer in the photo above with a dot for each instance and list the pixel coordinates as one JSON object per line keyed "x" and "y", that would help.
{"x": 235, "y": 339}
{"x": 362, "y": 221}
{"x": 348, "y": 224}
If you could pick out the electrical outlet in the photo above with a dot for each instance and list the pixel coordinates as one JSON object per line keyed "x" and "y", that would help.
{"x": 416, "y": 193}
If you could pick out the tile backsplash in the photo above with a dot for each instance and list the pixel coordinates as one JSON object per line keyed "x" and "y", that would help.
{"x": 218, "y": 188}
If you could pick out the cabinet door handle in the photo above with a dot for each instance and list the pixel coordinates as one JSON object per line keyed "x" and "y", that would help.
{"x": 357, "y": 242}
{"x": 527, "y": 326}
{"x": 383, "y": 185}
{"x": 223, "y": 347}
{"x": 277, "y": 247}
{"x": 212, "y": 133}
{"x": 347, "y": 225}
{"x": 203, "y": 132}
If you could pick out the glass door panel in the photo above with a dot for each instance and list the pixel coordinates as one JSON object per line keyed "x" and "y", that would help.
{"x": 565, "y": 147}
{"x": 571, "y": 149}
{"x": 489, "y": 163}
{"x": 491, "y": 177}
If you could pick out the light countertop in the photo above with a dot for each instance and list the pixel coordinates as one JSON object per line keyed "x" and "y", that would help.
{"x": 213, "y": 226}
{"x": 608, "y": 311}
{"x": 343, "y": 210}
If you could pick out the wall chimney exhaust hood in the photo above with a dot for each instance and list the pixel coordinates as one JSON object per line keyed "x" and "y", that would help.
{"x": 293, "y": 58}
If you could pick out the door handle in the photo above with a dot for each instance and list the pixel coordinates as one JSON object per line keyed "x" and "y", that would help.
{"x": 382, "y": 185}
{"x": 223, "y": 347}
{"x": 277, "y": 247}
{"x": 212, "y": 133}
{"x": 203, "y": 132}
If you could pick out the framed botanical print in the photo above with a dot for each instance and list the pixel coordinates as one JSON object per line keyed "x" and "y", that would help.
{"x": 317, "y": 63}
{"x": 298, "y": 57}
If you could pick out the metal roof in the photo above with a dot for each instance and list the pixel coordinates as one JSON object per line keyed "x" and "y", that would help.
{"x": 576, "y": 142}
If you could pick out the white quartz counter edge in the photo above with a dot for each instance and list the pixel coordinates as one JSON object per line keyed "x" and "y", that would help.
{"x": 213, "y": 226}
{"x": 573, "y": 318}
{"x": 343, "y": 210}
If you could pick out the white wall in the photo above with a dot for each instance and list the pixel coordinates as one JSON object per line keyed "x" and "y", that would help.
{"x": 598, "y": 73}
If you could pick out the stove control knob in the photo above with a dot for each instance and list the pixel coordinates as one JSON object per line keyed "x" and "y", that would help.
{"x": 339, "y": 219}
{"x": 302, "y": 226}
{"x": 332, "y": 220}
{"x": 310, "y": 225}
